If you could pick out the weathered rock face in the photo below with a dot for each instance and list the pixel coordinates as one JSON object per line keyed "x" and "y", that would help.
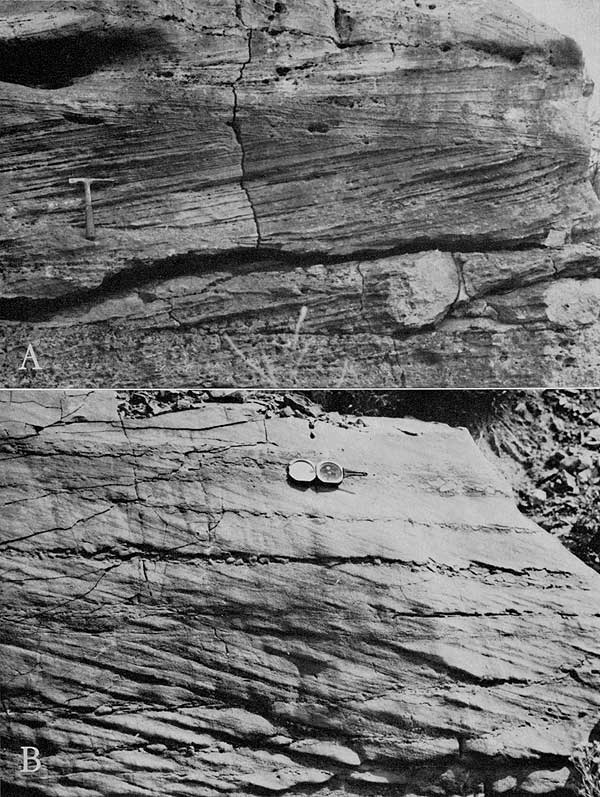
{"x": 578, "y": 19}
{"x": 273, "y": 156}
{"x": 179, "y": 619}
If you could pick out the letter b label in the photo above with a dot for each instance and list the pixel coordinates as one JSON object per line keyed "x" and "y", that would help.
{"x": 31, "y": 759}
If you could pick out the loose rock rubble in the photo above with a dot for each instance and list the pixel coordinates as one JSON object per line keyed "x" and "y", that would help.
{"x": 149, "y": 403}
{"x": 555, "y": 438}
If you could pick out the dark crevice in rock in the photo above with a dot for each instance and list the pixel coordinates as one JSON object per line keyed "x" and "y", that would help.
{"x": 561, "y": 53}
{"x": 241, "y": 261}
{"x": 343, "y": 24}
{"x": 83, "y": 119}
{"x": 10, "y": 790}
{"x": 513, "y": 53}
{"x": 239, "y": 12}
{"x": 53, "y": 63}
{"x": 236, "y": 127}
{"x": 236, "y": 558}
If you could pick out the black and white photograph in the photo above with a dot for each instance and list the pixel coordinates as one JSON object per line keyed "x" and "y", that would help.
{"x": 393, "y": 193}
{"x": 327, "y": 593}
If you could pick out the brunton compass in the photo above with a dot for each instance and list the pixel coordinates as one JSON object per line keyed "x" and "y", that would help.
{"x": 327, "y": 472}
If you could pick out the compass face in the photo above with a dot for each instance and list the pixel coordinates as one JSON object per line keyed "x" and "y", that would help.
{"x": 301, "y": 470}
{"x": 330, "y": 472}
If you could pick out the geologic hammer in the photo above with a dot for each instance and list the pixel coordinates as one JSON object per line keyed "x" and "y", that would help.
{"x": 90, "y": 229}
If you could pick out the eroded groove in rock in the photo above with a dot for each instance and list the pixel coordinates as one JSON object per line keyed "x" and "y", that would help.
{"x": 179, "y": 617}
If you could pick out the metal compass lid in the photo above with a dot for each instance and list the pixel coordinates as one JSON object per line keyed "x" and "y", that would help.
{"x": 301, "y": 470}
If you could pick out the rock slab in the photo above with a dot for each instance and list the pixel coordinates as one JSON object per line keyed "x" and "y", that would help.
{"x": 178, "y": 618}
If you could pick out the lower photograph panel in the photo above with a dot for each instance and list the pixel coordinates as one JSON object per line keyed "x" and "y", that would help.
{"x": 324, "y": 593}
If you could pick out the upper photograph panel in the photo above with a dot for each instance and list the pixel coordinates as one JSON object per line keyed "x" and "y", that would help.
{"x": 306, "y": 192}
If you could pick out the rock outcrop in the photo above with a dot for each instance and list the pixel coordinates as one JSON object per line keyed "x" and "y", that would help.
{"x": 179, "y": 619}
{"x": 578, "y": 19}
{"x": 325, "y": 162}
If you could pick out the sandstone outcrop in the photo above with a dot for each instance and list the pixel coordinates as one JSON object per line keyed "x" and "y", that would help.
{"x": 179, "y": 619}
{"x": 329, "y": 162}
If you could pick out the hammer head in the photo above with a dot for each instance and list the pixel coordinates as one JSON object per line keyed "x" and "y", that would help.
{"x": 90, "y": 180}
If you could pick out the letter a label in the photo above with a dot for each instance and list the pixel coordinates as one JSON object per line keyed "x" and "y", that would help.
{"x": 31, "y": 755}
{"x": 30, "y": 356}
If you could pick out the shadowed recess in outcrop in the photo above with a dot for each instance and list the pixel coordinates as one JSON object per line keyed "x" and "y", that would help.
{"x": 56, "y": 62}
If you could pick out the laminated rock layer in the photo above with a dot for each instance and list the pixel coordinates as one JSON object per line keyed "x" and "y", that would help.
{"x": 178, "y": 618}
{"x": 341, "y": 157}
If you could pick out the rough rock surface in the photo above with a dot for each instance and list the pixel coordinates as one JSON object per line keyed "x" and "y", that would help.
{"x": 178, "y": 619}
{"x": 273, "y": 156}
{"x": 579, "y": 19}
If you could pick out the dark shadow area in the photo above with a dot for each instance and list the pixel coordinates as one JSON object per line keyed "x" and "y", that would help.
{"x": 54, "y": 63}
{"x": 473, "y": 409}
{"x": 511, "y": 52}
{"x": 300, "y": 486}
{"x": 566, "y": 53}
{"x": 563, "y": 53}
{"x": 12, "y": 790}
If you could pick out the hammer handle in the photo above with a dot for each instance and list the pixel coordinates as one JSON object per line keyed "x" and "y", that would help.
{"x": 90, "y": 230}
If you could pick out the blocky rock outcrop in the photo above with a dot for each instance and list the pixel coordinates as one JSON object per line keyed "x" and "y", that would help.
{"x": 268, "y": 156}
